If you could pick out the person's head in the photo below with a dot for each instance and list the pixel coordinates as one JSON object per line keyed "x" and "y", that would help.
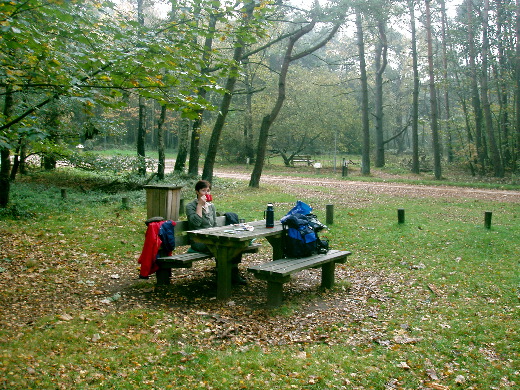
{"x": 202, "y": 187}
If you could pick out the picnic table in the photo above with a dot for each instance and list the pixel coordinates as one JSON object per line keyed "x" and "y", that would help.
{"x": 226, "y": 242}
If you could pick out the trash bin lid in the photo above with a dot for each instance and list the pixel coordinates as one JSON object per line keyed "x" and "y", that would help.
{"x": 163, "y": 187}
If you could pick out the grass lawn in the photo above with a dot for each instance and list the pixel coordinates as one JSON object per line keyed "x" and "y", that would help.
{"x": 429, "y": 304}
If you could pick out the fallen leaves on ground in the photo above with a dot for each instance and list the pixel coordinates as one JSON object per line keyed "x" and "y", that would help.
{"x": 50, "y": 278}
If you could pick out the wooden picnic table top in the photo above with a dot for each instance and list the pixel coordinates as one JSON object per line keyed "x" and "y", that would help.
{"x": 234, "y": 233}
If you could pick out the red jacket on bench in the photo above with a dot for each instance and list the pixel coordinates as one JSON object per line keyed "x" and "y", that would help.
{"x": 152, "y": 245}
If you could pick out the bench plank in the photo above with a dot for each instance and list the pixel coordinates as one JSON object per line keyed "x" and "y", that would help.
{"x": 182, "y": 260}
{"x": 303, "y": 158}
{"x": 278, "y": 272}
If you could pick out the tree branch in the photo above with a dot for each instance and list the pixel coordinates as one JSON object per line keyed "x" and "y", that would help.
{"x": 312, "y": 49}
{"x": 400, "y": 132}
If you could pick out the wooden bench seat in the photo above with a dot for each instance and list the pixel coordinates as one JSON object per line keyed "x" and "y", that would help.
{"x": 303, "y": 158}
{"x": 278, "y": 272}
{"x": 185, "y": 260}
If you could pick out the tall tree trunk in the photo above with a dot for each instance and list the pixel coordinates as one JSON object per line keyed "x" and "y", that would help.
{"x": 160, "y": 143}
{"x": 497, "y": 162}
{"x": 380, "y": 64}
{"x": 193, "y": 166}
{"x": 433, "y": 97}
{"x": 183, "y": 140}
{"x": 248, "y": 117}
{"x": 415, "y": 93}
{"x": 475, "y": 98}
{"x": 502, "y": 90}
{"x": 5, "y": 183}
{"x": 471, "y": 159}
{"x": 5, "y": 160}
{"x": 141, "y": 129}
{"x": 516, "y": 156}
{"x": 254, "y": 180}
{"x": 19, "y": 164}
{"x": 16, "y": 160}
{"x": 447, "y": 116}
{"x": 141, "y": 136}
{"x": 209, "y": 164}
{"x": 365, "y": 154}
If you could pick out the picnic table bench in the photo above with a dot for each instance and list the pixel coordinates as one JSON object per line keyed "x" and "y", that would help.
{"x": 185, "y": 260}
{"x": 278, "y": 272}
{"x": 303, "y": 158}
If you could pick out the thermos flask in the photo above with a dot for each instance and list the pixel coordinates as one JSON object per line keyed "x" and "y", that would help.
{"x": 269, "y": 216}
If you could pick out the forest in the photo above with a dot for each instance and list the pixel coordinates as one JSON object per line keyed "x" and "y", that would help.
{"x": 435, "y": 82}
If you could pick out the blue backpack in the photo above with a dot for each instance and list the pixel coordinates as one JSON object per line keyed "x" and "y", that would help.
{"x": 300, "y": 238}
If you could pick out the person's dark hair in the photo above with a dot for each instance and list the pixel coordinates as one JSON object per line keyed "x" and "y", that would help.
{"x": 202, "y": 184}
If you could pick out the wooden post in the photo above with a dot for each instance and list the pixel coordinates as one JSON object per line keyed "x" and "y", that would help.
{"x": 329, "y": 220}
{"x": 400, "y": 215}
{"x": 487, "y": 219}
{"x": 63, "y": 193}
{"x": 344, "y": 169}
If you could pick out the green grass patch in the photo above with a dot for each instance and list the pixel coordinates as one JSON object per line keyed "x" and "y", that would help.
{"x": 432, "y": 301}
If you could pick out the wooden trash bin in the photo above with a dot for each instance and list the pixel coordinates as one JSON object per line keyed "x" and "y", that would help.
{"x": 163, "y": 201}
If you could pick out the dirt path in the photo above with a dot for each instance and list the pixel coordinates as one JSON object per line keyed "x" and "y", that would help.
{"x": 408, "y": 190}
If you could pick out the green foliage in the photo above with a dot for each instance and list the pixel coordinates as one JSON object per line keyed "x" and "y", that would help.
{"x": 331, "y": 123}
{"x": 117, "y": 164}
{"x": 14, "y": 211}
{"x": 51, "y": 48}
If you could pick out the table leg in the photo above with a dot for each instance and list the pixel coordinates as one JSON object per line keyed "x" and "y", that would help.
{"x": 276, "y": 243}
{"x": 224, "y": 256}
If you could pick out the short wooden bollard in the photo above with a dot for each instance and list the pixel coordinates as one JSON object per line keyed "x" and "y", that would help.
{"x": 329, "y": 219}
{"x": 487, "y": 219}
{"x": 400, "y": 215}
{"x": 63, "y": 193}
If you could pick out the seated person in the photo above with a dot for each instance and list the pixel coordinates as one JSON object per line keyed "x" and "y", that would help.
{"x": 202, "y": 213}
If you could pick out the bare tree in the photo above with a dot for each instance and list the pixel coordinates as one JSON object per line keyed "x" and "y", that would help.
{"x": 503, "y": 91}
{"x": 517, "y": 85}
{"x": 495, "y": 154}
{"x": 415, "y": 93}
{"x": 380, "y": 64}
{"x": 444, "y": 23}
{"x": 475, "y": 98}
{"x": 365, "y": 156}
{"x": 269, "y": 119}
{"x": 433, "y": 96}
{"x": 141, "y": 130}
